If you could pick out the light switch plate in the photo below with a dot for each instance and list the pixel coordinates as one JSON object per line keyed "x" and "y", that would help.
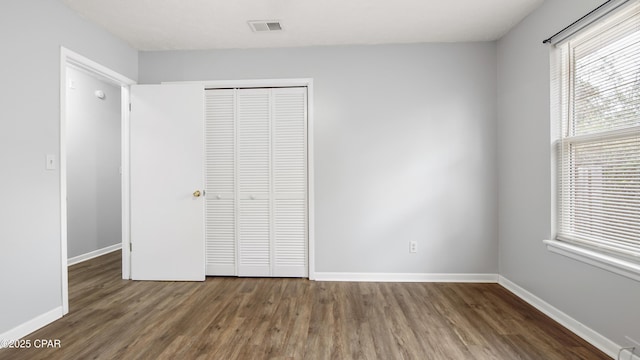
{"x": 51, "y": 162}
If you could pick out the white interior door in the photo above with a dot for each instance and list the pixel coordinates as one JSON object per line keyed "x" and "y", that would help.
{"x": 167, "y": 162}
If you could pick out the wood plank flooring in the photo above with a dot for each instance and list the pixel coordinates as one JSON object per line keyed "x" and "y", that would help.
{"x": 249, "y": 318}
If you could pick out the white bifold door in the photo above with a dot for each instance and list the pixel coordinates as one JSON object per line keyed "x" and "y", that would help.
{"x": 256, "y": 182}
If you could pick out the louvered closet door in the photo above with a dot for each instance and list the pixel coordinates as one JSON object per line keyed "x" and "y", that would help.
{"x": 254, "y": 181}
{"x": 256, "y": 141}
{"x": 220, "y": 209}
{"x": 289, "y": 160}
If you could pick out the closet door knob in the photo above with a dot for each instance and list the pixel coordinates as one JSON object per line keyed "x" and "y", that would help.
{"x": 196, "y": 193}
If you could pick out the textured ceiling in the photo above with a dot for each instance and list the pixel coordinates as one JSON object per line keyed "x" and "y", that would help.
{"x": 219, "y": 24}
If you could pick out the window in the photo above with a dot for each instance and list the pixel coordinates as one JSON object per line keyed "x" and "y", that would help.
{"x": 597, "y": 105}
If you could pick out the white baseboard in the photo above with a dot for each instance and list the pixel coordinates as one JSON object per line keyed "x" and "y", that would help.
{"x": 406, "y": 277}
{"x": 605, "y": 345}
{"x": 627, "y": 355}
{"x": 32, "y": 325}
{"x": 90, "y": 255}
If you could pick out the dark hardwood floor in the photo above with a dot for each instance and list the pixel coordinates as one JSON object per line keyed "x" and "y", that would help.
{"x": 249, "y": 318}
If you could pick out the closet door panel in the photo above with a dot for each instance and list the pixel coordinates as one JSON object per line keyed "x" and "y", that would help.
{"x": 290, "y": 238}
{"x": 221, "y": 233}
{"x": 254, "y": 243}
{"x": 290, "y": 146}
{"x": 220, "y": 209}
{"x": 257, "y": 218}
{"x": 254, "y": 142}
{"x": 254, "y": 181}
{"x": 290, "y": 182}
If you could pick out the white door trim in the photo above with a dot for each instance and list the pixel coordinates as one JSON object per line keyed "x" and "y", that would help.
{"x": 303, "y": 82}
{"x": 69, "y": 58}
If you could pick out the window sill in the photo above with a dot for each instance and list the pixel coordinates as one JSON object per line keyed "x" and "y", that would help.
{"x": 607, "y": 262}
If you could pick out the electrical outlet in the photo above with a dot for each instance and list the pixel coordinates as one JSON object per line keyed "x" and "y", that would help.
{"x": 413, "y": 246}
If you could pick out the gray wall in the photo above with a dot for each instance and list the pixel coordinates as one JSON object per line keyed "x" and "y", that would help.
{"x": 404, "y": 148}
{"x": 93, "y": 165}
{"x": 31, "y": 33}
{"x": 603, "y": 301}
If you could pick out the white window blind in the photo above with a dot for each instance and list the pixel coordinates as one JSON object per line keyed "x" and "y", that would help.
{"x": 598, "y": 96}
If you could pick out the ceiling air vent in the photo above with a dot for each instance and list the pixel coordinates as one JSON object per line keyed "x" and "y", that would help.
{"x": 265, "y": 25}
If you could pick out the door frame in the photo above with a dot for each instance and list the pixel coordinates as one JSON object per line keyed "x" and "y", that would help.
{"x": 72, "y": 59}
{"x": 276, "y": 83}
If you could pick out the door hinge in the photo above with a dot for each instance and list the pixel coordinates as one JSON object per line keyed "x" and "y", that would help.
{"x": 129, "y": 107}
{"x": 130, "y": 247}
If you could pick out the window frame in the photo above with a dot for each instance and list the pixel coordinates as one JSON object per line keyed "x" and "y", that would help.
{"x": 562, "y": 101}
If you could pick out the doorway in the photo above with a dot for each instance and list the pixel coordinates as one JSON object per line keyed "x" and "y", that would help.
{"x": 93, "y": 144}
{"x": 94, "y": 167}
